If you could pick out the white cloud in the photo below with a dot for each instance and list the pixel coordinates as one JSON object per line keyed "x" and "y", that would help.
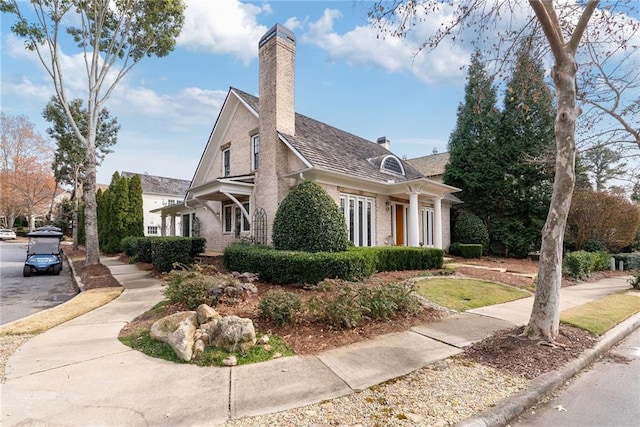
{"x": 223, "y": 27}
{"x": 363, "y": 45}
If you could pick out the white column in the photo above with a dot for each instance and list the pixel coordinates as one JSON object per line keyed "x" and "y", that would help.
{"x": 413, "y": 239}
{"x": 437, "y": 223}
{"x": 172, "y": 227}
{"x": 163, "y": 225}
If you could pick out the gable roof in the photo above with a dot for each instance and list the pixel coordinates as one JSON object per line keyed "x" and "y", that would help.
{"x": 161, "y": 185}
{"x": 329, "y": 148}
{"x": 431, "y": 165}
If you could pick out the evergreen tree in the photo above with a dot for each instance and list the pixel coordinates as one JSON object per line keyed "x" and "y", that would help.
{"x": 118, "y": 213}
{"x": 472, "y": 166}
{"x": 102, "y": 201}
{"x": 521, "y": 200}
{"x": 135, "y": 217}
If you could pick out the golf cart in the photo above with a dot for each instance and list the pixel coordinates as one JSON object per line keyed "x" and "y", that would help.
{"x": 43, "y": 251}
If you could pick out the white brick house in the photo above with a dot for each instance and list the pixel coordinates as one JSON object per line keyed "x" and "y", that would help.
{"x": 260, "y": 148}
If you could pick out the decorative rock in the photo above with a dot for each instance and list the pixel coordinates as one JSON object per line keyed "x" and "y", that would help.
{"x": 230, "y": 361}
{"x": 263, "y": 339}
{"x": 199, "y": 347}
{"x": 177, "y": 330}
{"x": 234, "y": 334}
{"x": 276, "y": 356}
{"x": 414, "y": 418}
{"x": 206, "y": 314}
{"x": 267, "y": 347}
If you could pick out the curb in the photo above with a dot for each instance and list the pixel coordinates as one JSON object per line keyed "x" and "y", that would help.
{"x": 74, "y": 277}
{"x": 511, "y": 407}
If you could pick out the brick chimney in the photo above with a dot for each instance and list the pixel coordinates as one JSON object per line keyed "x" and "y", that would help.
{"x": 277, "y": 51}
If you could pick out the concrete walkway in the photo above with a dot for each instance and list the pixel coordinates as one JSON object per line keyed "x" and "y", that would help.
{"x": 79, "y": 374}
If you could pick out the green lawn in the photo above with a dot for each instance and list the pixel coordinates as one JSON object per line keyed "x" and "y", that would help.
{"x": 600, "y": 315}
{"x": 465, "y": 294}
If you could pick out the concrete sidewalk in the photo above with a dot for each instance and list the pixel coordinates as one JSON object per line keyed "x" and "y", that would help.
{"x": 78, "y": 373}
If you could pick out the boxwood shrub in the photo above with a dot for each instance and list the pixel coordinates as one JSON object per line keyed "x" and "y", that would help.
{"x": 198, "y": 246}
{"x": 129, "y": 245}
{"x": 580, "y": 264}
{"x": 470, "y": 251}
{"x": 399, "y": 258}
{"x": 288, "y": 267}
{"x": 169, "y": 250}
{"x": 144, "y": 249}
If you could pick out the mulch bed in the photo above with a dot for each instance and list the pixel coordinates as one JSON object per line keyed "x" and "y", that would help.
{"x": 509, "y": 351}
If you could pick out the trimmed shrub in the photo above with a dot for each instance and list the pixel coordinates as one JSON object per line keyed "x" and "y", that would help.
{"x": 287, "y": 267}
{"x": 385, "y": 302}
{"x": 198, "y": 246}
{"x": 469, "y": 229}
{"x": 280, "y": 306}
{"x": 400, "y": 258}
{"x": 454, "y": 248}
{"x": 309, "y": 220}
{"x": 167, "y": 251}
{"x": 470, "y": 251}
{"x": 601, "y": 260}
{"x": 595, "y": 245}
{"x": 145, "y": 253}
{"x": 129, "y": 246}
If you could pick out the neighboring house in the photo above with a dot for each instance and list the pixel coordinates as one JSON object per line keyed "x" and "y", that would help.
{"x": 431, "y": 166}
{"x": 158, "y": 192}
{"x": 260, "y": 148}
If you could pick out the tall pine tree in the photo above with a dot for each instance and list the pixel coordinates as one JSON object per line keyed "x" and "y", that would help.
{"x": 525, "y": 143}
{"x": 472, "y": 166}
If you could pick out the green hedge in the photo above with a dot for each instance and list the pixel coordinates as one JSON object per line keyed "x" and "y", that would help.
{"x": 144, "y": 249}
{"x": 287, "y": 267}
{"x": 400, "y": 258}
{"x": 470, "y": 250}
{"x": 129, "y": 245}
{"x": 198, "y": 246}
{"x": 169, "y": 250}
{"x": 580, "y": 264}
{"x": 631, "y": 261}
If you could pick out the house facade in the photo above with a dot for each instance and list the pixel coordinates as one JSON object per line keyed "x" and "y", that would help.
{"x": 158, "y": 192}
{"x": 260, "y": 148}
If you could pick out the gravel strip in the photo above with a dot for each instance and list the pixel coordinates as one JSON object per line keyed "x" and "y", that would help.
{"x": 439, "y": 395}
{"x": 8, "y": 345}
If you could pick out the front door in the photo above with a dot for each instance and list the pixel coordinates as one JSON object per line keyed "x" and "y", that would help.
{"x": 400, "y": 224}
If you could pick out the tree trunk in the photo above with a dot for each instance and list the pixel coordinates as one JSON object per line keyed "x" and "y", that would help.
{"x": 544, "y": 321}
{"x": 92, "y": 246}
{"x": 74, "y": 215}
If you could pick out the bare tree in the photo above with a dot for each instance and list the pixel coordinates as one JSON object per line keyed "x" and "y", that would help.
{"x": 558, "y": 28}
{"x": 112, "y": 37}
{"x": 22, "y": 150}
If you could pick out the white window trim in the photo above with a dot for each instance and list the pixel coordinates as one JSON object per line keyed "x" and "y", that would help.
{"x": 234, "y": 212}
{"x": 383, "y": 169}
{"x": 368, "y": 204}
{"x": 226, "y": 152}
{"x": 255, "y": 164}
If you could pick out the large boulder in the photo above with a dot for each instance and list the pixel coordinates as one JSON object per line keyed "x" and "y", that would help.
{"x": 233, "y": 334}
{"x": 207, "y": 314}
{"x": 178, "y": 331}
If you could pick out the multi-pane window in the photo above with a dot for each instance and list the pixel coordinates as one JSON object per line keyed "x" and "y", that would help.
{"x": 255, "y": 151}
{"x": 152, "y": 230}
{"x": 233, "y": 220}
{"x": 392, "y": 164}
{"x": 171, "y": 202}
{"x": 226, "y": 162}
{"x": 358, "y": 212}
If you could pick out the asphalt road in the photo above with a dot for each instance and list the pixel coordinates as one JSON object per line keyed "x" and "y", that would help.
{"x": 23, "y": 296}
{"x": 608, "y": 394}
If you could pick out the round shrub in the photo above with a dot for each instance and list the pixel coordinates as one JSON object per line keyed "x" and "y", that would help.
{"x": 192, "y": 289}
{"x": 309, "y": 220}
{"x": 470, "y": 229}
{"x": 280, "y": 306}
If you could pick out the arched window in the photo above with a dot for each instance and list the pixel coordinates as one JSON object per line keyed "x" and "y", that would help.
{"x": 393, "y": 165}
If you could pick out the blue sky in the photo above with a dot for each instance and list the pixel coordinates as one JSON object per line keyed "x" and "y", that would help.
{"x": 346, "y": 76}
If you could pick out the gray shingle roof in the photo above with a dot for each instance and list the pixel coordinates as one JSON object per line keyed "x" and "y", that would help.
{"x": 160, "y": 185}
{"x": 333, "y": 149}
{"x": 432, "y": 165}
